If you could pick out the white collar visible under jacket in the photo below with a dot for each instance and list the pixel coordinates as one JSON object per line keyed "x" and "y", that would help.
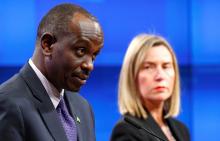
{"x": 53, "y": 93}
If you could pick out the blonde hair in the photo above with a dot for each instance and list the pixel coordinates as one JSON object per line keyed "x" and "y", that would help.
{"x": 129, "y": 99}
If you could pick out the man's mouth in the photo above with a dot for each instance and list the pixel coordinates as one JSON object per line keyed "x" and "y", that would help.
{"x": 80, "y": 78}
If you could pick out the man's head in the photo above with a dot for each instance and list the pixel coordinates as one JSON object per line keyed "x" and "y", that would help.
{"x": 68, "y": 40}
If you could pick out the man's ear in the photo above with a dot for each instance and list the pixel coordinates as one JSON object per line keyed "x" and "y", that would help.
{"x": 47, "y": 40}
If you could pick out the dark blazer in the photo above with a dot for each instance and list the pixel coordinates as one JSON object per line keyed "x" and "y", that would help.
{"x": 130, "y": 128}
{"x": 27, "y": 113}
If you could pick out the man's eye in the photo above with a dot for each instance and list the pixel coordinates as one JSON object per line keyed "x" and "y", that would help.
{"x": 80, "y": 51}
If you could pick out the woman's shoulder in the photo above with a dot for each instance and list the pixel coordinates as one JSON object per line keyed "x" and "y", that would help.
{"x": 122, "y": 125}
{"x": 180, "y": 126}
{"x": 123, "y": 130}
{"x": 178, "y": 123}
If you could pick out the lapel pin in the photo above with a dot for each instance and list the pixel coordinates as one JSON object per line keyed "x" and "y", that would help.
{"x": 78, "y": 119}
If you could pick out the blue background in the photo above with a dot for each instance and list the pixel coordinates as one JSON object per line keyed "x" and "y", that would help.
{"x": 192, "y": 27}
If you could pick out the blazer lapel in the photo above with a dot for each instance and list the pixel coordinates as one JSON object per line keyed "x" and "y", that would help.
{"x": 151, "y": 124}
{"x": 75, "y": 113}
{"x": 174, "y": 129}
{"x": 44, "y": 104}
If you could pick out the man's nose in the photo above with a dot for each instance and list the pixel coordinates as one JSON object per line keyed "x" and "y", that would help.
{"x": 88, "y": 65}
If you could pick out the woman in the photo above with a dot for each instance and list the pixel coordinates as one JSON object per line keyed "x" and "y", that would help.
{"x": 149, "y": 93}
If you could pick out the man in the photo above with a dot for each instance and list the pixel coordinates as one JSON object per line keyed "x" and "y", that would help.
{"x": 41, "y": 103}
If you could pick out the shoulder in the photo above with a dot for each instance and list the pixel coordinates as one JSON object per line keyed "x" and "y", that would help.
{"x": 13, "y": 85}
{"x": 80, "y": 104}
{"x": 76, "y": 98}
{"x": 14, "y": 91}
{"x": 179, "y": 124}
{"x": 123, "y": 131}
{"x": 182, "y": 129}
{"x": 11, "y": 101}
{"x": 10, "y": 111}
{"x": 122, "y": 125}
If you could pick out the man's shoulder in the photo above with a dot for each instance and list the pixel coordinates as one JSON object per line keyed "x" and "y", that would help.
{"x": 13, "y": 84}
{"x": 12, "y": 90}
{"x": 78, "y": 102}
{"x": 75, "y": 96}
{"x": 12, "y": 94}
{"x": 17, "y": 84}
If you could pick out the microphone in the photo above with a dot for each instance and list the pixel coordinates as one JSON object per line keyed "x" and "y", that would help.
{"x": 137, "y": 125}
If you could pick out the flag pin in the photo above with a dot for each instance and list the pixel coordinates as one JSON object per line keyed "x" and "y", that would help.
{"x": 78, "y": 119}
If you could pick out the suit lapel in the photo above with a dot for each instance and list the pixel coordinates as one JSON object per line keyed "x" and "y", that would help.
{"x": 174, "y": 129}
{"x": 43, "y": 103}
{"x": 71, "y": 102}
{"x": 154, "y": 127}
{"x": 150, "y": 123}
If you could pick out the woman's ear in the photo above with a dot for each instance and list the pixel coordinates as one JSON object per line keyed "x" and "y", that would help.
{"x": 47, "y": 40}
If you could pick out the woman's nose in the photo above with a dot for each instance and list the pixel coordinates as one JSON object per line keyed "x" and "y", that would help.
{"x": 159, "y": 74}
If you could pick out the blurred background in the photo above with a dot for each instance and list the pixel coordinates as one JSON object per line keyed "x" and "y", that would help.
{"x": 191, "y": 26}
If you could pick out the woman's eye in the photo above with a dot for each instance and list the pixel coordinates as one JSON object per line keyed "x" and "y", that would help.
{"x": 167, "y": 66}
{"x": 146, "y": 67}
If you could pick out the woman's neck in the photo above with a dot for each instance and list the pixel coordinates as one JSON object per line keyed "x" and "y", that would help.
{"x": 156, "y": 110}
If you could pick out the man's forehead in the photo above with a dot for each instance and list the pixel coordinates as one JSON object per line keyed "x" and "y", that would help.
{"x": 87, "y": 28}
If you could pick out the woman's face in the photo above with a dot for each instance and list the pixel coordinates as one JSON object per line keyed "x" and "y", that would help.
{"x": 156, "y": 75}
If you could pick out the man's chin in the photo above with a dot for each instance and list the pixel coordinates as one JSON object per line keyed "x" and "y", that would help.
{"x": 73, "y": 89}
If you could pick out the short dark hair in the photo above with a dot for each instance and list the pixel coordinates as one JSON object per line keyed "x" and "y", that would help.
{"x": 57, "y": 20}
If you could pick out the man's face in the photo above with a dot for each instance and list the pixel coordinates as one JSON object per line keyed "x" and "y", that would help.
{"x": 73, "y": 55}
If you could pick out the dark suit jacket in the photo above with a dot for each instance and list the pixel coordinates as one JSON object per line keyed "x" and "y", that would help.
{"x": 127, "y": 131}
{"x": 27, "y": 113}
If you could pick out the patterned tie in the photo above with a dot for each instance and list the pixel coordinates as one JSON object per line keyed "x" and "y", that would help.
{"x": 68, "y": 123}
